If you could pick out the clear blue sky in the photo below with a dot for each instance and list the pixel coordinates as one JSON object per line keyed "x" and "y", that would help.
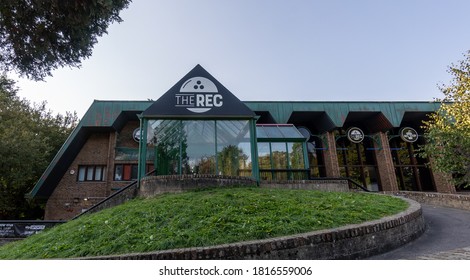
{"x": 270, "y": 50}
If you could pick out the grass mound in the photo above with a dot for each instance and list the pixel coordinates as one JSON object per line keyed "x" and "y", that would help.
{"x": 202, "y": 218}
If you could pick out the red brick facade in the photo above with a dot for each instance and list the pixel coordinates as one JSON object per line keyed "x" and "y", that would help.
{"x": 331, "y": 158}
{"x": 71, "y": 197}
{"x": 387, "y": 177}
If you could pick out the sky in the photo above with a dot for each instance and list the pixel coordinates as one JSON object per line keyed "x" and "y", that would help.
{"x": 263, "y": 50}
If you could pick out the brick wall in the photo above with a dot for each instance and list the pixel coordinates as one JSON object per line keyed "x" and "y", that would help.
{"x": 330, "y": 156}
{"x": 154, "y": 185}
{"x": 121, "y": 196}
{"x": 442, "y": 181}
{"x": 385, "y": 166}
{"x": 321, "y": 185}
{"x": 67, "y": 200}
{"x": 124, "y": 138}
{"x": 459, "y": 201}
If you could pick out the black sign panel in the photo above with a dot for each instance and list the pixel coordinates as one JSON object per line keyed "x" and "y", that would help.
{"x": 16, "y": 229}
{"x": 198, "y": 95}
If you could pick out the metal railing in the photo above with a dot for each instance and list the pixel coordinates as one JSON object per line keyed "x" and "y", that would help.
{"x": 304, "y": 174}
{"x": 284, "y": 174}
{"x": 132, "y": 184}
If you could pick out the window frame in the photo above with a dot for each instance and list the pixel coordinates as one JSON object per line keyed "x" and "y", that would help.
{"x": 130, "y": 169}
{"x": 84, "y": 172}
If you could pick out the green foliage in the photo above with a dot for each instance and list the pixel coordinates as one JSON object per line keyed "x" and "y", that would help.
{"x": 448, "y": 130}
{"x": 202, "y": 218}
{"x": 39, "y": 36}
{"x": 29, "y": 138}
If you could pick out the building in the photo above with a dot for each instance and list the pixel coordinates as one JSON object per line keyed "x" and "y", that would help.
{"x": 200, "y": 127}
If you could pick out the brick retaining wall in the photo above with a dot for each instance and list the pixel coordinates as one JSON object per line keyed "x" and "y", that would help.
{"x": 460, "y": 201}
{"x": 154, "y": 185}
{"x": 321, "y": 185}
{"x": 347, "y": 242}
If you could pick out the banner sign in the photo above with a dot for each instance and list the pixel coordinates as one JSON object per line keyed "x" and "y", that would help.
{"x": 17, "y": 229}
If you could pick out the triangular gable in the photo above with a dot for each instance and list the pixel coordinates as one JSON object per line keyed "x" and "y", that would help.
{"x": 198, "y": 95}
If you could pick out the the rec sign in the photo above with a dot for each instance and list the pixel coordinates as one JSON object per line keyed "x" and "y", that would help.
{"x": 198, "y": 95}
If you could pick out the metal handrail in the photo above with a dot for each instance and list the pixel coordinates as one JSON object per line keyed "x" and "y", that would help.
{"x": 112, "y": 195}
{"x": 350, "y": 181}
{"x": 358, "y": 185}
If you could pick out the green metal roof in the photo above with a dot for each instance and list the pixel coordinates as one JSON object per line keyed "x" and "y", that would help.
{"x": 337, "y": 112}
{"x": 112, "y": 116}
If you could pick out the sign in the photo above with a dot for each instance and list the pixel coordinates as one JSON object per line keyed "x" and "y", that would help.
{"x": 18, "y": 229}
{"x": 198, "y": 95}
{"x": 408, "y": 134}
{"x": 136, "y": 135}
{"x": 355, "y": 135}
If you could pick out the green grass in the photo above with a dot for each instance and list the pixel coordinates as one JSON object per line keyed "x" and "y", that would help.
{"x": 202, "y": 218}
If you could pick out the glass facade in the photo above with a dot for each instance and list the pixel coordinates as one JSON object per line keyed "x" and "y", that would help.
{"x": 411, "y": 171}
{"x": 282, "y": 161}
{"x": 281, "y": 152}
{"x": 358, "y": 162}
{"x": 217, "y": 147}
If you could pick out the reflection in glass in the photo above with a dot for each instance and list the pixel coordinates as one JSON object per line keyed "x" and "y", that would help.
{"x": 357, "y": 161}
{"x": 296, "y": 155}
{"x": 202, "y": 147}
{"x": 233, "y": 147}
{"x": 279, "y": 154}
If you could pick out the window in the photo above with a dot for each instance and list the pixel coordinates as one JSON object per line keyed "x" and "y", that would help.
{"x": 358, "y": 162}
{"x": 125, "y": 172}
{"x": 91, "y": 173}
{"x": 282, "y": 161}
{"x": 221, "y": 147}
{"x": 411, "y": 171}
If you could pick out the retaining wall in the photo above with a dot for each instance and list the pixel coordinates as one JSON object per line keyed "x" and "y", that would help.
{"x": 460, "y": 201}
{"x": 154, "y": 185}
{"x": 348, "y": 242}
{"x": 321, "y": 185}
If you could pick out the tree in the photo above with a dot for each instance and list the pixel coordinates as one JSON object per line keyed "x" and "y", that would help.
{"x": 30, "y": 136}
{"x": 447, "y": 132}
{"x": 38, "y": 36}
{"x": 229, "y": 160}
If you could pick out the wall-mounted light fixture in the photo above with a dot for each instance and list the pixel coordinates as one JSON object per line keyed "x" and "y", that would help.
{"x": 94, "y": 197}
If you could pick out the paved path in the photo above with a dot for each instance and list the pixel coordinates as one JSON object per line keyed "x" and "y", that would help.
{"x": 447, "y": 236}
